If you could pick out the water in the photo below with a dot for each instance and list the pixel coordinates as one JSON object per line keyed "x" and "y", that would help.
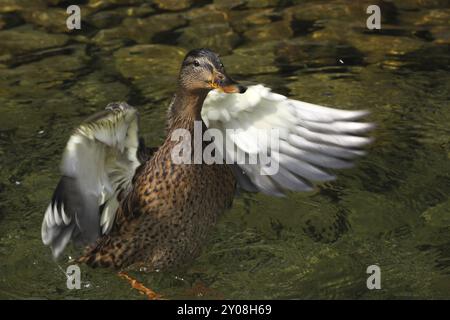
{"x": 392, "y": 209}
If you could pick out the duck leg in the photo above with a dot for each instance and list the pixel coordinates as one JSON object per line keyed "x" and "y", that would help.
{"x": 151, "y": 295}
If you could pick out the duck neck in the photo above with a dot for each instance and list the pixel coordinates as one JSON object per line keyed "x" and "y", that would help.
{"x": 185, "y": 108}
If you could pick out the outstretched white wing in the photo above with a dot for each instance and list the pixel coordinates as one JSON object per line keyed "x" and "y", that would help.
{"x": 300, "y": 139}
{"x": 98, "y": 164}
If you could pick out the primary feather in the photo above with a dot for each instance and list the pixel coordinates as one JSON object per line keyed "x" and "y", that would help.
{"x": 98, "y": 164}
{"x": 312, "y": 138}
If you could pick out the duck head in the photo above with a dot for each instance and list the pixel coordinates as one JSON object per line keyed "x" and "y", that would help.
{"x": 203, "y": 71}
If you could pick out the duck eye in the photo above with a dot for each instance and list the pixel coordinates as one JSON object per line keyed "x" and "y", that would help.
{"x": 196, "y": 63}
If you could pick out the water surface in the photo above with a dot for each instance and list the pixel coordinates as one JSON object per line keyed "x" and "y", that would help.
{"x": 392, "y": 209}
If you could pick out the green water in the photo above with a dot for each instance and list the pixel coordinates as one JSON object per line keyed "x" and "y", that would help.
{"x": 392, "y": 209}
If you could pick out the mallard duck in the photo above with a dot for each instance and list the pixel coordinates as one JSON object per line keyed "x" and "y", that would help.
{"x": 136, "y": 206}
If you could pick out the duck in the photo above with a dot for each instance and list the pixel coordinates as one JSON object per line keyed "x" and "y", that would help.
{"x": 130, "y": 205}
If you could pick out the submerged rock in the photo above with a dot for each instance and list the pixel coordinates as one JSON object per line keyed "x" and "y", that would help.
{"x": 30, "y": 93}
{"x": 279, "y": 30}
{"x": 24, "y": 39}
{"x": 52, "y": 19}
{"x": 231, "y": 4}
{"x": 439, "y": 22}
{"x": 106, "y": 19}
{"x": 20, "y": 5}
{"x": 243, "y": 20}
{"x": 301, "y": 53}
{"x": 104, "y": 4}
{"x": 143, "y": 30}
{"x": 140, "y": 30}
{"x": 331, "y": 32}
{"x": 111, "y": 39}
{"x": 98, "y": 89}
{"x": 415, "y": 4}
{"x": 205, "y": 15}
{"x": 348, "y": 11}
{"x": 262, "y": 3}
{"x": 434, "y": 17}
{"x": 173, "y": 5}
{"x": 144, "y": 9}
{"x": 377, "y": 47}
{"x": 33, "y": 79}
{"x": 113, "y": 17}
{"x": 219, "y": 37}
{"x": 151, "y": 68}
{"x": 441, "y": 35}
{"x": 257, "y": 59}
{"x": 311, "y": 11}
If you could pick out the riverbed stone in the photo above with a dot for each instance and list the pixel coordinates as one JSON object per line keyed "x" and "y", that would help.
{"x": 377, "y": 47}
{"x": 106, "y": 19}
{"x": 346, "y": 12}
{"x": 140, "y": 30}
{"x": 230, "y": 4}
{"x": 173, "y": 5}
{"x": 151, "y": 68}
{"x": 8, "y": 6}
{"x": 248, "y": 4}
{"x": 206, "y": 15}
{"x": 32, "y": 79}
{"x": 414, "y": 4}
{"x": 243, "y": 20}
{"x": 98, "y": 89}
{"x": 51, "y": 19}
{"x": 434, "y": 17}
{"x": 219, "y": 37}
{"x": 441, "y": 35}
{"x": 110, "y": 39}
{"x": 252, "y": 60}
{"x": 279, "y": 30}
{"x": 143, "y": 30}
{"x": 25, "y": 39}
{"x": 262, "y": 3}
{"x": 106, "y": 4}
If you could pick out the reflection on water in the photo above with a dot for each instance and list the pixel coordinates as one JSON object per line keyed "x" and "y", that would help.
{"x": 393, "y": 209}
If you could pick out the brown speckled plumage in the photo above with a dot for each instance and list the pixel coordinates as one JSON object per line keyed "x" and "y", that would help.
{"x": 140, "y": 208}
{"x": 165, "y": 219}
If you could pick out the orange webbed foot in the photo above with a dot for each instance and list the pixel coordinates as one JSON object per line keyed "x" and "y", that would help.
{"x": 151, "y": 295}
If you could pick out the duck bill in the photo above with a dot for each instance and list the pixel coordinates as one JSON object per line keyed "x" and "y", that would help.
{"x": 226, "y": 84}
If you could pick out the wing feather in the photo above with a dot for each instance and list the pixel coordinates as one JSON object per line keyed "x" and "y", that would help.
{"x": 98, "y": 164}
{"x": 312, "y": 138}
